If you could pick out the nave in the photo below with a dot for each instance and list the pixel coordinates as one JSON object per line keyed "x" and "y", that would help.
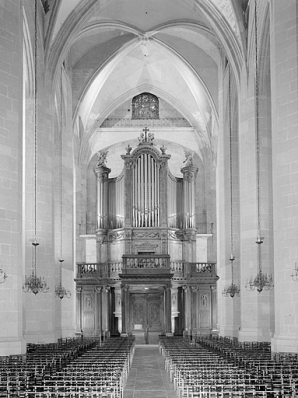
{"x": 206, "y": 367}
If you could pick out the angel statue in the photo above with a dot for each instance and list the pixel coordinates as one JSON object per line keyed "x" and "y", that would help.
{"x": 150, "y": 138}
{"x": 128, "y": 149}
{"x": 188, "y": 158}
{"x": 102, "y": 158}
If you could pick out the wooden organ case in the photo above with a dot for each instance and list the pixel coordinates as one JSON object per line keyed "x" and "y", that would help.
{"x": 146, "y": 278}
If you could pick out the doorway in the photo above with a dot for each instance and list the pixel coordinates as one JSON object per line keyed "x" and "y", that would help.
{"x": 147, "y": 317}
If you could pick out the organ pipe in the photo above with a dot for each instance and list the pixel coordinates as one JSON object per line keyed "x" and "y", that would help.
{"x": 146, "y": 192}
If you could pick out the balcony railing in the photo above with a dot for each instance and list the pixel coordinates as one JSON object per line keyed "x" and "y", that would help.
{"x": 154, "y": 263}
{"x": 99, "y": 270}
{"x": 162, "y": 122}
{"x": 148, "y": 261}
{"x": 192, "y": 269}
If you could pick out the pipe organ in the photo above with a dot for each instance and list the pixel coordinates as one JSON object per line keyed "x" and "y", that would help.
{"x": 147, "y": 175}
{"x": 175, "y": 201}
{"x": 146, "y": 276}
{"x": 116, "y": 202}
{"x": 145, "y": 192}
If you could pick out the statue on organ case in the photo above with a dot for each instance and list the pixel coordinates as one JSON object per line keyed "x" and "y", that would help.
{"x": 102, "y": 158}
{"x": 188, "y": 158}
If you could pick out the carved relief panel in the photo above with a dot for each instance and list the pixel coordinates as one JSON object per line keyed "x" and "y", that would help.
{"x": 88, "y": 311}
{"x": 204, "y": 310}
{"x": 146, "y": 312}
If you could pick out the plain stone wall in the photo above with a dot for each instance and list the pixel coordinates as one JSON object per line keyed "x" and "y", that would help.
{"x": 11, "y": 146}
{"x": 284, "y": 61}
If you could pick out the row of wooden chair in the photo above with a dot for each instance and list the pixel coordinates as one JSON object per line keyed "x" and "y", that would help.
{"x": 71, "y": 368}
{"x": 219, "y": 367}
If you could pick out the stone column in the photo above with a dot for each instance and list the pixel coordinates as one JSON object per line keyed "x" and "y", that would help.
{"x": 105, "y": 311}
{"x": 189, "y": 209}
{"x": 118, "y": 307}
{"x": 125, "y": 309}
{"x": 175, "y": 313}
{"x": 187, "y": 309}
{"x": 79, "y": 309}
{"x": 168, "y": 303}
{"x": 194, "y": 310}
{"x": 163, "y": 194}
{"x": 98, "y": 314}
{"x": 102, "y": 176}
{"x": 255, "y": 190}
{"x": 214, "y": 309}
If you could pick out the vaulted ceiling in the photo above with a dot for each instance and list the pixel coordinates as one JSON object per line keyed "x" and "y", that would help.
{"x": 174, "y": 49}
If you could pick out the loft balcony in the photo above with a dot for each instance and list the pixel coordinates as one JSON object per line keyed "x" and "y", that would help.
{"x": 146, "y": 264}
{"x": 152, "y": 264}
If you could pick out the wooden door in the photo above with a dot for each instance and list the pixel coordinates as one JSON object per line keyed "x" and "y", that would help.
{"x": 146, "y": 317}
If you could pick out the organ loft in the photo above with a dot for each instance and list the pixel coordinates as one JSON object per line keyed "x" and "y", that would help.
{"x": 150, "y": 274}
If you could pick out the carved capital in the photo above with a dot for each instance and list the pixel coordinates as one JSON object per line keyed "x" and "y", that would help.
{"x": 117, "y": 235}
{"x": 125, "y": 288}
{"x": 128, "y": 163}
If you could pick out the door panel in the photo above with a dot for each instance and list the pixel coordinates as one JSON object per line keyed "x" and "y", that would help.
{"x": 146, "y": 317}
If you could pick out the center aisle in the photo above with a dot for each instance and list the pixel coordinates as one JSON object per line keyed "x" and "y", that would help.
{"x": 147, "y": 375}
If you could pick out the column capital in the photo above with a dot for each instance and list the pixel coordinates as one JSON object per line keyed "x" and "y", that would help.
{"x": 189, "y": 173}
{"x": 102, "y": 172}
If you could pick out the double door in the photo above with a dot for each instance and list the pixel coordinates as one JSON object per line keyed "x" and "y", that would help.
{"x": 147, "y": 317}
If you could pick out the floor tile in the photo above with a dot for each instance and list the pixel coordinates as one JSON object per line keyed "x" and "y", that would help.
{"x": 147, "y": 377}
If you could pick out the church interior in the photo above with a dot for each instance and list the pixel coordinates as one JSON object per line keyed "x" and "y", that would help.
{"x": 149, "y": 185}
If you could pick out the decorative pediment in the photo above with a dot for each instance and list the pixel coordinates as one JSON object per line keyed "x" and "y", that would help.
{"x": 146, "y": 145}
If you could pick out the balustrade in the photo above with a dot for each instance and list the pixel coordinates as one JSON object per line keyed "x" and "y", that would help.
{"x": 115, "y": 267}
{"x": 88, "y": 268}
{"x": 112, "y": 269}
{"x": 177, "y": 266}
{"x": 181, "y": 267}
{"x": 146, "y": 261}
{"x": 204, "y": 267}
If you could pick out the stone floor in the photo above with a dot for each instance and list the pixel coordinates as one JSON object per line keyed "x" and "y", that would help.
{"x": 147, "y": 376}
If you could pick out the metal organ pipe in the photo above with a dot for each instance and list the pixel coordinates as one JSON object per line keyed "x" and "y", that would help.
{"x": 193, "y": 209}
{"x": 139, "y": 191}
{"x": 146, "y": 192}
{"x": 99, "y": 204}
{"x": 145, "y": 157}
{"x": 152, "y": 193}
